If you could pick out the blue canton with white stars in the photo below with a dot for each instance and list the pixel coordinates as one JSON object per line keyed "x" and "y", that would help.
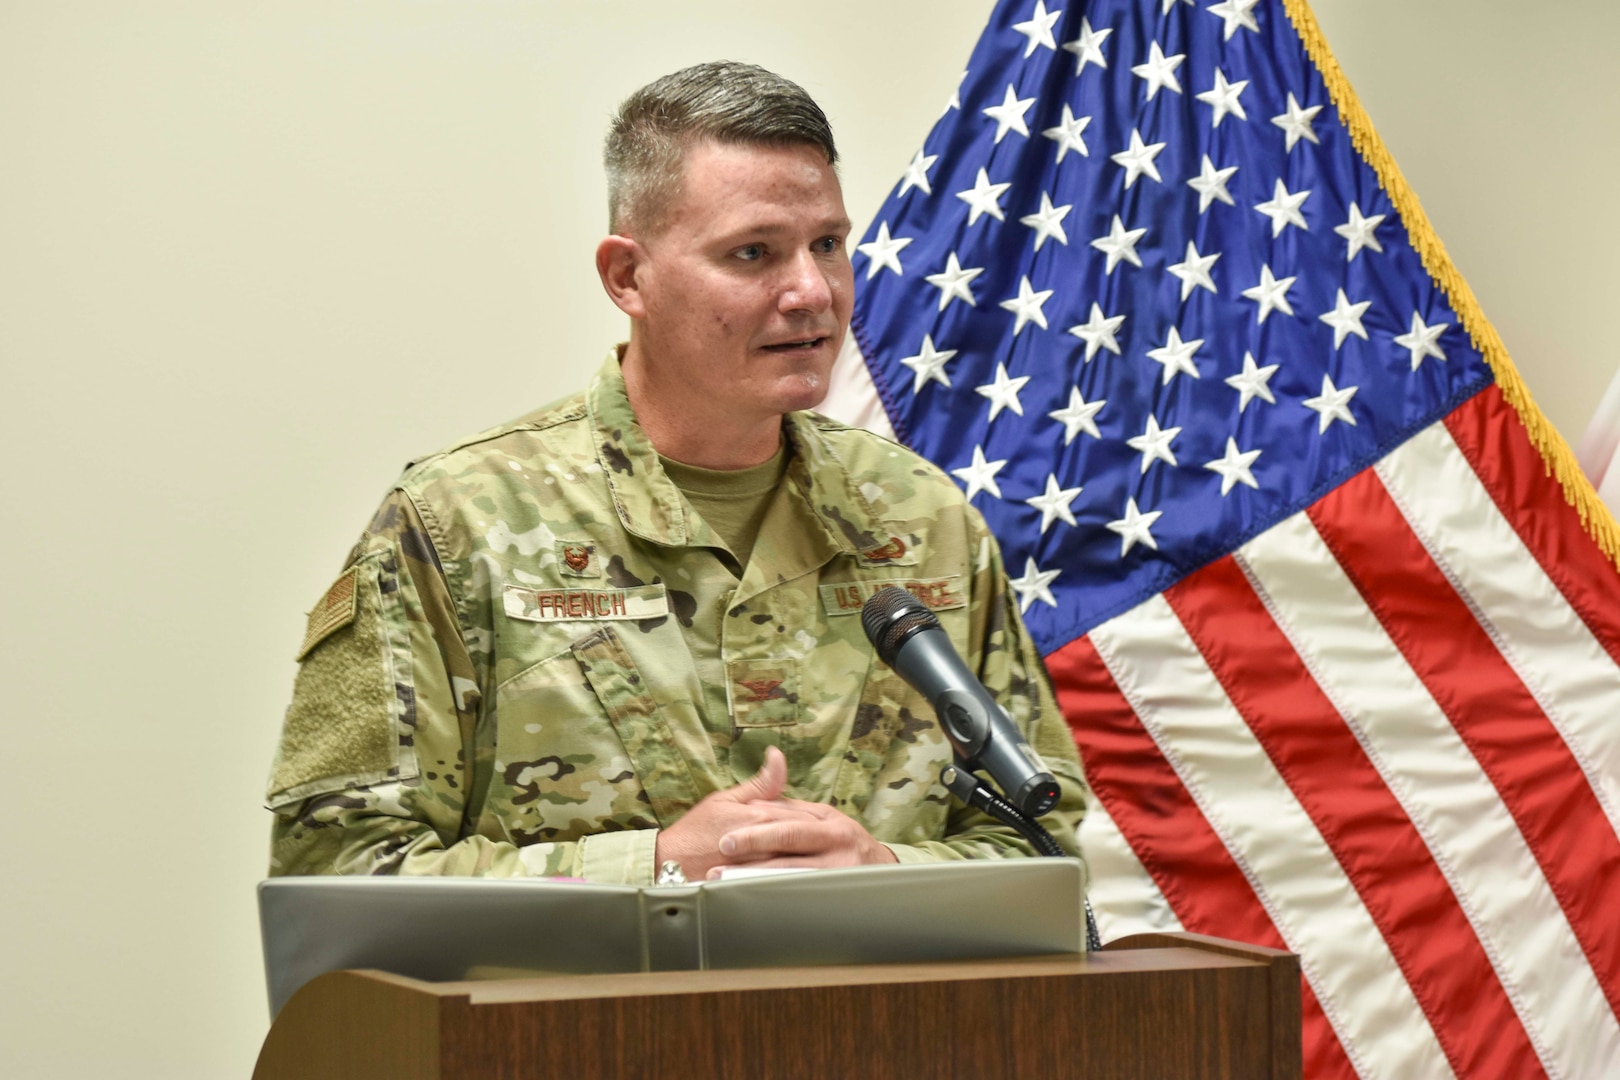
{"x": 1139, "y": 294}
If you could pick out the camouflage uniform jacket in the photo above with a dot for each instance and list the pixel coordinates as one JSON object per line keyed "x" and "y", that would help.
{"x": 508, "y": 677}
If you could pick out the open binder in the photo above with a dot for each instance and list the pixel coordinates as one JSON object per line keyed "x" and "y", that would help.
{"x": 445, "y": 929}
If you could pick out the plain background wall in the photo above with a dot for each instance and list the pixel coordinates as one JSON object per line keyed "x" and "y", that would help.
{"x": 254, "y": 256}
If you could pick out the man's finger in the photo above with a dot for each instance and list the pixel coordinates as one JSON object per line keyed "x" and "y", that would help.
{"x": 767, "y": 784}
{"x": 800, "y": 837}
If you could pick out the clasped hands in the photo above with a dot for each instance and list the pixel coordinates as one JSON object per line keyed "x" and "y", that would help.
{"x": 752, "y": 825}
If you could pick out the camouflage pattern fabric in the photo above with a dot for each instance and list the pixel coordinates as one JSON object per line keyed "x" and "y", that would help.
{"x": 515, "y": 691}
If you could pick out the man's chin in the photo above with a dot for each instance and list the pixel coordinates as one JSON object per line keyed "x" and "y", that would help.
{"x": 802, "y": 390}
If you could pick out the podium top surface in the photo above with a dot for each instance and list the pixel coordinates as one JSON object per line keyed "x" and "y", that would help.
{"x": 503, "y": 988}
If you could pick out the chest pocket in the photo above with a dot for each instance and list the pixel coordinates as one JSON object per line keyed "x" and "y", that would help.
{"x": 582, "y": 746}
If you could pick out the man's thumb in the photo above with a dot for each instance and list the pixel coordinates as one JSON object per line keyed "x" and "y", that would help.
{"x": 769, "y": 782}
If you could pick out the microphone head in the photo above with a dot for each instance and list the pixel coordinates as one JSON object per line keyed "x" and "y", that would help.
{"x": 892, "y": 616}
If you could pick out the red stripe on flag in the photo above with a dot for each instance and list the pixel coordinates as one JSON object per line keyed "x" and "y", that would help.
{"x": 1169, "y": 834}
{"x": 1491, "y": 436}
{"x": 1519, "y": 749}
{"x": 1370, "y": 833}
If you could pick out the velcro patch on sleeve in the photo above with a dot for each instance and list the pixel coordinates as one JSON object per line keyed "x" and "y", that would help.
{"x": 335, "y": 610}
{"x": 342, "y": 727}
{"x": 585, "y": 605}
{"x": 937, "y": 594}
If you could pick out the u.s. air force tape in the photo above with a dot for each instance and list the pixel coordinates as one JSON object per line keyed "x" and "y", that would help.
{"x": 939, "y": 594}
{"x": 585, "y": 605}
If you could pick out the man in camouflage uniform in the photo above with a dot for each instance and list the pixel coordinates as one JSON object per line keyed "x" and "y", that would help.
{"x": 624, "y": 630}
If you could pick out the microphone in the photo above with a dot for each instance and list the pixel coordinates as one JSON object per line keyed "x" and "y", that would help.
{"x": 909, "y": 638}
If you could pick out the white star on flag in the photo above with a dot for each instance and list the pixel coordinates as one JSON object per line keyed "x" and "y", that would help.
{"x": 883, "y": 250}
{"x": 1119, "y": 244}
{"x": 1345, "y": 318}
{"x": 1026, "y": 306}
{"x": 1009, "y": 115}
{"x": 917, "y": 174}
{"x": 1194, "y": 271}
{"x": 1296, "y": 122}
{"x": 1003, "y": 393}
{"x": 1223, "y": 98}
{"x": 1422, "y": 340}
{"x": 1078, "y": 415}
{"x": 1176, "y": 356}
{"x": 1359, "y": 231}
{"x": 1251, "y": 382}
{"x": 1036, "y": 584}
{"x": 1134, "y": 528}
{"x": 929, "y": 364}
{"x": 1067, "y": 134}
{"x": 1271, "y": 294}
{"x": 1210, "y": 183}
{"x": 983, "y": 198}
{"x": 1233, "y": 467}
{"x": 1236, "y": 14}
{"x": 1332, "y": 404}
{"x": 1137, "y": 159}
{"x": 1283, "y": 209}
{"x": 1047, "y": 222}
{"x": 952, "y": 282}
{"x": 1159, "y": 71}
{"x": 1038, "y": 29}
{"x": 1154, "y": 443}
{"x": 980, "y": 475}
{"x": 1088, "y": 46}
{"x": 1098, "y": 332}
{"x": 1054, "y": 503}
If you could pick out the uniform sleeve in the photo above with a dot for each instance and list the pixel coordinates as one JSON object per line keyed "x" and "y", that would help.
{"x": 1007, "y": 662}
{"x": 379, "y": 750}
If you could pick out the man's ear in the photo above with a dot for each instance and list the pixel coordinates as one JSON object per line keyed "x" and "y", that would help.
{"x": 619, "y": 264}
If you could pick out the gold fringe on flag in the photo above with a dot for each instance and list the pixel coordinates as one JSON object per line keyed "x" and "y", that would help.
{"x": 1555, "y": 452}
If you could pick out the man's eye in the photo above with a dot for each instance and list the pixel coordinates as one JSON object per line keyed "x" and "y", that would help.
{"x": 828, "y": 245}
{"x": 751, "y": 252}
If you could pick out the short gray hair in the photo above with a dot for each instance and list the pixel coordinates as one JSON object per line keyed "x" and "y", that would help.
{"x": 723, "y": 100}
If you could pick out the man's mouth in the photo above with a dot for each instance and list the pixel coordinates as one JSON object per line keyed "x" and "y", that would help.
{"x": 789, "y": 346}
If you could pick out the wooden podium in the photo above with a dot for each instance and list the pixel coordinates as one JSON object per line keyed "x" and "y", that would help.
{"x": 1149, "y": 1006}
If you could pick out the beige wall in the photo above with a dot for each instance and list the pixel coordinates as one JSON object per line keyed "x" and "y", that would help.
{"x": 255, "y": 256}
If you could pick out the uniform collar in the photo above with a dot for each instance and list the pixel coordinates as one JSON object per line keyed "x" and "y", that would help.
{"x": 650, "y": 506}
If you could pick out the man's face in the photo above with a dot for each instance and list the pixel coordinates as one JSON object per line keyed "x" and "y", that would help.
{"x": 746, "y": 284}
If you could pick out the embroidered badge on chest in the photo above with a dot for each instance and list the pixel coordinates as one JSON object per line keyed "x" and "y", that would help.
{"x": 578, "y": 559}
{"x": 761, "y": 689}
{"x": 886, "y": 553}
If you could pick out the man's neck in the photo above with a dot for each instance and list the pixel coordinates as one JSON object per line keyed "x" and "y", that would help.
{"x": 694, "y": 436}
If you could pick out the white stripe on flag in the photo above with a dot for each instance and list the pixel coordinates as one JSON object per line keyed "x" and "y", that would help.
{"x": 1123, "y": 894}
{"x": 1570, "y": 675}
{"x": 1273, "y": 840}
{"x": 1462, "y": 819}
{"x": 852, "y": 396}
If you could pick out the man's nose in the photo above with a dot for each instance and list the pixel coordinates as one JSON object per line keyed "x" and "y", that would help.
{"x": 805, "y": 285}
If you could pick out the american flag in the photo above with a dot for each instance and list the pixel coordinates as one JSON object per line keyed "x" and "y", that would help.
{"x": 1340, "y": 658}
